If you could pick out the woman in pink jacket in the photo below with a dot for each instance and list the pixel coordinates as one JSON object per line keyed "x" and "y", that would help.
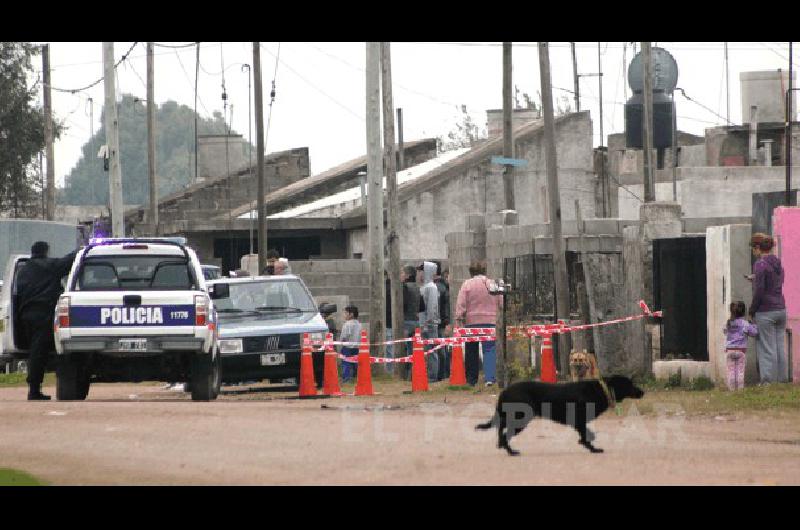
{"x": 476, "y": 308}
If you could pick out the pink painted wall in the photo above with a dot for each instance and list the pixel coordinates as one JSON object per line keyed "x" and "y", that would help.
{"x": 786, "y": 227}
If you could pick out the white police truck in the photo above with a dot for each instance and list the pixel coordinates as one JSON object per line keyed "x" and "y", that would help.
{"x": 134, "y": 310}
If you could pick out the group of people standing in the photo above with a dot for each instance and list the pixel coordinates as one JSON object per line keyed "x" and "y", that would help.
{"x": 766, "y": 322}
{"x": 426, "y": 305}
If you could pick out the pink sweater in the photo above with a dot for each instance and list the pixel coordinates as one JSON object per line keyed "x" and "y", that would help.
{"x": 476, "y": 304}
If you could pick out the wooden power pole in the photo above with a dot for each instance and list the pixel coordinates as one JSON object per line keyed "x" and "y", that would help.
{"x": 50, "y": 192}
{"x": 377, "y": 296}
{"x": 647, "y": 125}
{"x": 258, "y": 100}
{"x": 112, "y": 143}
{"x": 508, "y": 131}
{"x": 391, "y": 187}
{"x": 151, "y": 141}
{"x": 559, "y": 260}
{"x": 575, "y": 78}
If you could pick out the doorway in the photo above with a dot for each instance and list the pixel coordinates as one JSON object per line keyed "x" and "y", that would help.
{"x": 679, "y": 289}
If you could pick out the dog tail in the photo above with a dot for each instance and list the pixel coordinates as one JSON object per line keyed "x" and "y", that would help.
{"x": 489, "y": 424}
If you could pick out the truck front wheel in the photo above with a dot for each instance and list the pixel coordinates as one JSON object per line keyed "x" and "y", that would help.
{"x": 204, "y": 377}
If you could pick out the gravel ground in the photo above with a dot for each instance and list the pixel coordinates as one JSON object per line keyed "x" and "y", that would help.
{"x": 145, "y": 434}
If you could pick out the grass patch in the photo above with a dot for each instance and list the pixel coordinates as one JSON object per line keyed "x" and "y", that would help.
{"x": 18, "y": 379}
{"x": 718, "y": 401}
{"x": 13, "y": 477}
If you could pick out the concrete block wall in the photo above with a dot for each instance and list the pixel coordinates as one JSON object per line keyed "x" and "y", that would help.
{"x": 337, "y": 277}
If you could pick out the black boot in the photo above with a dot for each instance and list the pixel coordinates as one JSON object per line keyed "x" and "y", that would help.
{"x": 35, "y": 394}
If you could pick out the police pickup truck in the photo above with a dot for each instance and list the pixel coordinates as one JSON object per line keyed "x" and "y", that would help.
{"x": 136, "y": 310}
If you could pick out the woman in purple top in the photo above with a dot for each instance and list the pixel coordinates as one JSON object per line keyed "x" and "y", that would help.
{"x": 736, "y": 332}
{"x": 769, "y": 309}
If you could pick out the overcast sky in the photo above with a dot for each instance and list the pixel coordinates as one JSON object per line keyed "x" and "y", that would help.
{"x": 320, "y": 87}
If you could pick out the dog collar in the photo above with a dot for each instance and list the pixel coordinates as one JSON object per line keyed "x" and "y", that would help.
{"x": 609, "y": 394}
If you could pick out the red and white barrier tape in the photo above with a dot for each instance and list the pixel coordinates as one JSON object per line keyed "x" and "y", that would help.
{"x": 385, "y": 360}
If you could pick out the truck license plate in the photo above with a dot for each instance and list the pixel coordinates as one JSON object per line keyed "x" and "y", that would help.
{"x": 273, "y": 359}
{"x": 134, "y": 345}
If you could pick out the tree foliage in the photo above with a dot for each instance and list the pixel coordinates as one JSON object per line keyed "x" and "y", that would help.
{"x": 21, "y": 131}
{"x": 87, "y": 183}
{"x": 464, "y": 133}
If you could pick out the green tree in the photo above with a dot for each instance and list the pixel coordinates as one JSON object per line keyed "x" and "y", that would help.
{"x": 87, "y": 183}
{"x": 21, "y": 131}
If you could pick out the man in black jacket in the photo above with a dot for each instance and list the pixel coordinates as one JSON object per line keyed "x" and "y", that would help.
{"x": 38, "y": 289}
{"x": 413, "y": 305}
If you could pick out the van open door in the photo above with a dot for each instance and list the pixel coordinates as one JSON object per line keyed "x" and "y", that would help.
{"x": 11, "y": 337}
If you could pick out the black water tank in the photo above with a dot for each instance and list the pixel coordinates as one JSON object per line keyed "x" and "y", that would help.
{"x": 662, "y": 121}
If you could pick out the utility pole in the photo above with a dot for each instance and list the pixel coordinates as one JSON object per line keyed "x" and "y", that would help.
{"x": 727, "y": 86}
{"x": 789, "y": 118}
{"x": 400, "y": 148}
{"x": 377, "y": 296}
{"x": 508, "y": 132}
{"x": 647, "y": 126}
{"x": 250, "y": 147}
{"x": 600, "y": 88}
{"x": 262, "y": 211}
{"x": 559, "y": 261}
{"x": 112, "y": 143}
{"x": 575, "y": 78}
{"x": 391, "y": 187}
{"x": 151, "y": 141}
{"x": 50, "y": 203}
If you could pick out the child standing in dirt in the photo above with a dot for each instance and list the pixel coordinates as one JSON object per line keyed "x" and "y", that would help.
{"x": 736, "y": 332}
{"x": 351, "y": 332}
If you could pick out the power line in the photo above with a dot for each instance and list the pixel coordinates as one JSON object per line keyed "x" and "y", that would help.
{"x": 125, "y": 56}
{"x": 189, "y": 80}
{"x": 683, "y": 92}
{"x": 189, "y": 45}
{"x": 315, "y": 87}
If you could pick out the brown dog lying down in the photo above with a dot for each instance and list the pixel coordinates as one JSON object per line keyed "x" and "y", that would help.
{"x": 572, "y": 404}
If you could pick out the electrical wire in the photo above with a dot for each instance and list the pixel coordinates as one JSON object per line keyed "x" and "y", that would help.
{"x": 74, "y": 90}
{"x": 683, "y": 92}
{"x": 188, "y": 79}
{"x": 190, "y": 45}
{"x": 315, "y": 87}
{"x": 272, "y": 96}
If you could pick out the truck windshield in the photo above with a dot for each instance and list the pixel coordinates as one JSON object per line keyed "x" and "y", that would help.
{"x": 266, "y": 296}
{"x": 140, "y": 273}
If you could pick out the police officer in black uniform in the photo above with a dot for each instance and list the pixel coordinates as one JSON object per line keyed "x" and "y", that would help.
{"x": 38, "y": 289}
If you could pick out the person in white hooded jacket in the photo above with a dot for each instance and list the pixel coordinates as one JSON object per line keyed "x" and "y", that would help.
{"x": 429, "y": 319}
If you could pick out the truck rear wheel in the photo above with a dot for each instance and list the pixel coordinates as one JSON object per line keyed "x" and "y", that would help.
{"x": 71, "y": 381}
{"x": 205, "y": 377}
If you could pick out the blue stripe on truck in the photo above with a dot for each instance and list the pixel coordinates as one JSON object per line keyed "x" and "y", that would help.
{"x": 120, "y": 316}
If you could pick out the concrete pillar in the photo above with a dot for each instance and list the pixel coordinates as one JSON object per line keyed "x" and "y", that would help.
{"x": 632, "y": 359}
{"x": 767, "y": 152}
{"x": 727, "y": 262}
{"x": 753, "y": 135}
{"x": 658, "y": 220}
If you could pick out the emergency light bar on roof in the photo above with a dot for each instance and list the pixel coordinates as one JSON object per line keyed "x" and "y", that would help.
{"x": 176, "y": 240}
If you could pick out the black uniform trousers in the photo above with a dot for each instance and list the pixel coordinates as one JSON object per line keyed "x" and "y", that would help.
{"x": 38, "y": 328}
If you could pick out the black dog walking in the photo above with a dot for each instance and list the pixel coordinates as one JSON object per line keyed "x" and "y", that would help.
{"x": 573, "y": 404}
{"x": 38, "y": 289}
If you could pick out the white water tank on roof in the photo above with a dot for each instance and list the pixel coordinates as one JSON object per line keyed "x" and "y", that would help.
{"x": 767, "y": 91}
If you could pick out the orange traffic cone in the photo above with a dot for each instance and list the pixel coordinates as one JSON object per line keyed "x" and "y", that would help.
{"x": 419, "y": 374}
{"x": 548, "y": 363}
{"x": 308, "y": 387}
{"x": 331, "y": 379}
{"x": 364, "y": 380}
{"x": 457, "y": 374}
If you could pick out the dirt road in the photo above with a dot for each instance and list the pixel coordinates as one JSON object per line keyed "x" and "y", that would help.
{"x": 143, "y": 434}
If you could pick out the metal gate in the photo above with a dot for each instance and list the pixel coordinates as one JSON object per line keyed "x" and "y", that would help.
{"x": 679, "y": 288}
